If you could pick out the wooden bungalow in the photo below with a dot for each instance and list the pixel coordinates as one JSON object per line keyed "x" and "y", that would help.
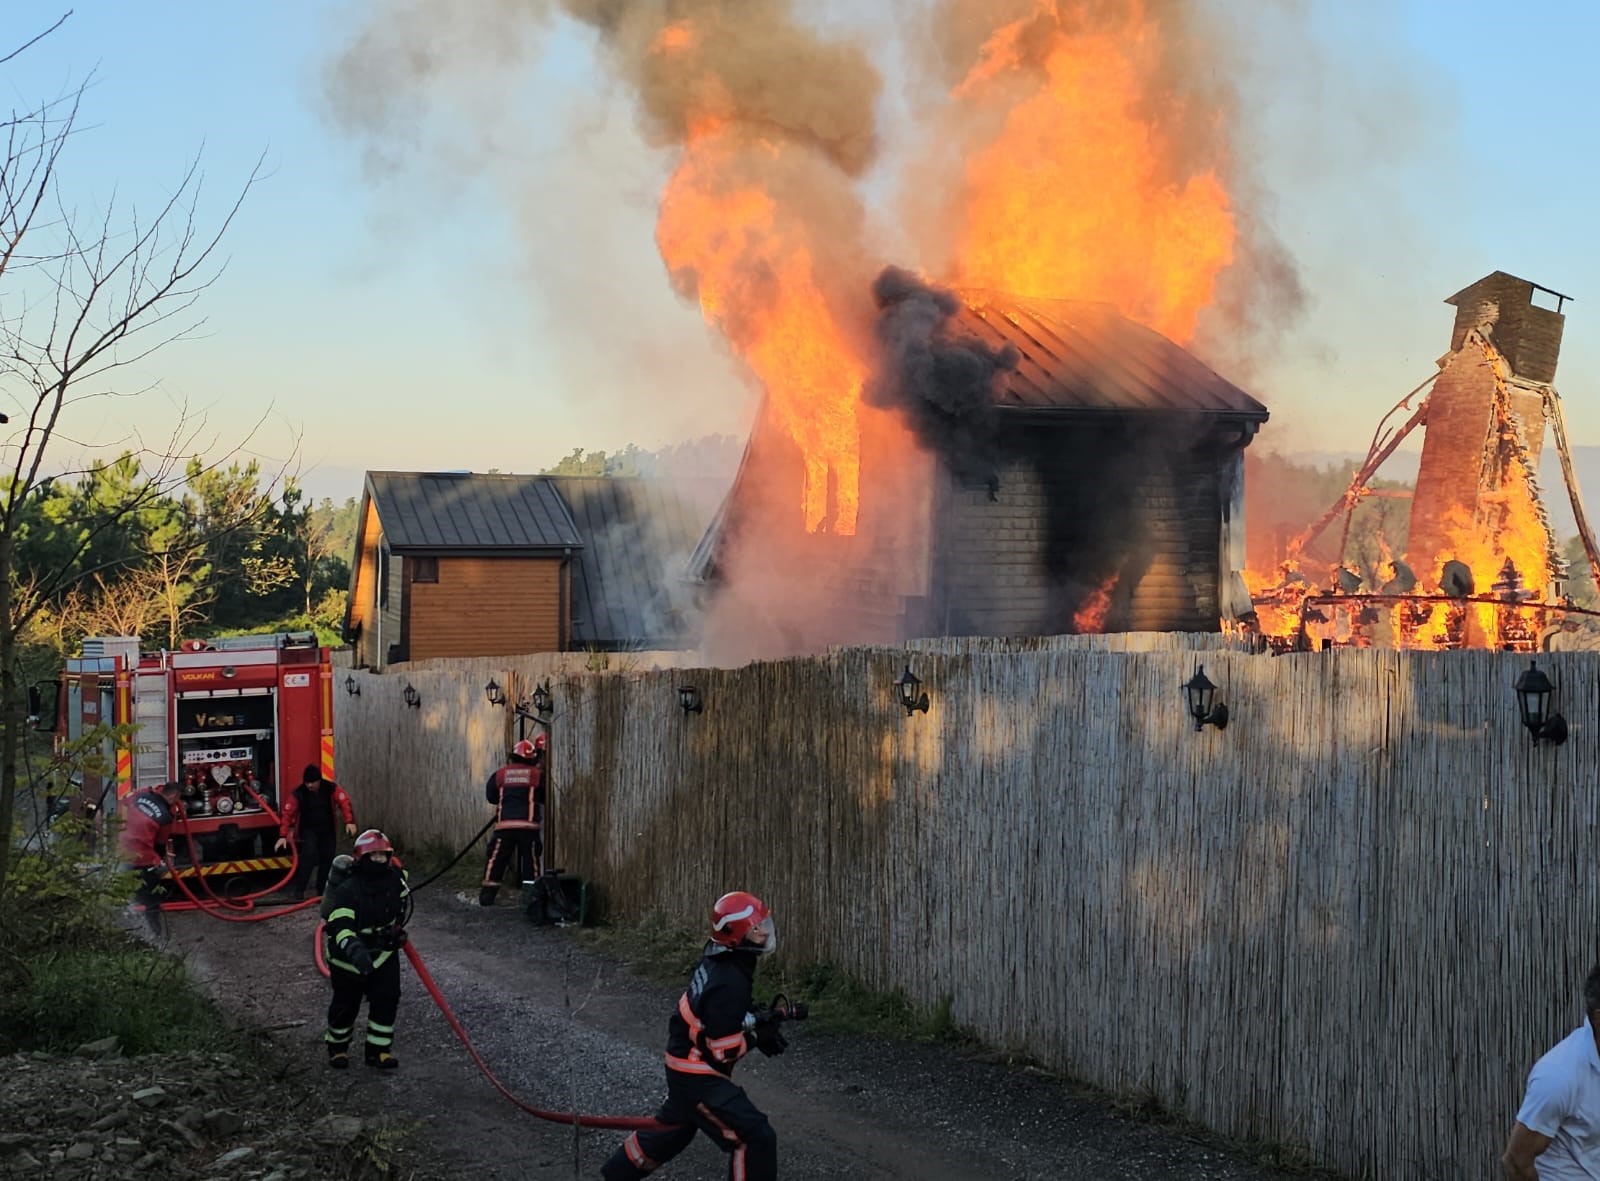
{"x": 1114, "y": 503}
{"x": 466, "y": 564}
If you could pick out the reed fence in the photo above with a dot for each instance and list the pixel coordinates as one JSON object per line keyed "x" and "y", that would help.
{"x": 1351, "y": 921}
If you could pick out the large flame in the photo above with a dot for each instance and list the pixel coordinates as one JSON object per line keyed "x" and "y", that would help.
{"x": 1075, "y": 198}
{"x": 745, "y": 253}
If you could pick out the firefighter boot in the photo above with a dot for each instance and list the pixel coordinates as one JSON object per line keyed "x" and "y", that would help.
{"x": 338, "y": 1056}
{"x": 382, "y": 1059}
{"x": 486, "y": 896}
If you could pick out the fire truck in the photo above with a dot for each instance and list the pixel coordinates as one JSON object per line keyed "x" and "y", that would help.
{"x": 236, "y": 720}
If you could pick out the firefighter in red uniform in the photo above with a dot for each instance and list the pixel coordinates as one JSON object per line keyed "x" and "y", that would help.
{"x": 148, "y": 815}
{"x": 309, "y": 815}
{"x": 517, "y": 792}
{"x": 709, "y": 1032}
{"x": 365, "y": 914}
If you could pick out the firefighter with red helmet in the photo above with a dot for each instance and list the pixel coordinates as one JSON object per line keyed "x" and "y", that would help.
{"x": 148, "y": 817}
{"x": 310, "y": 813}
{"x": 365, "y": 916}
{"x": 708, "y": 1033}
{"x": 517, "y": 792}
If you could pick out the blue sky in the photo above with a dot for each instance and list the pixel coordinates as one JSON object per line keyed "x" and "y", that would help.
{"x": 502, "y": 306}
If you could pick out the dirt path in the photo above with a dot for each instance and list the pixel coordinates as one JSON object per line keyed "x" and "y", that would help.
{"x": 564, "y": 1026}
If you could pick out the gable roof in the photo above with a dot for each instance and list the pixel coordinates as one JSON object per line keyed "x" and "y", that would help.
{"x": 627, "y": 584}
{"x": 1089, "y": 357}
{"x": 440, "y": 511}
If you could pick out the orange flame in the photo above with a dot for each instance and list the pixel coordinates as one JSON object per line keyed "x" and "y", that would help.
{"x": 1074, "y": 199}
{"x": 1090, "y": 618}
{"x": 748, "y": 260}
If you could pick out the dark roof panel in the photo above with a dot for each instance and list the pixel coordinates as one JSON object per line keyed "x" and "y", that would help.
{"x": 1089, "y": 357}
{"x": 464, "y": 510}
{"x": 628, "y": 585}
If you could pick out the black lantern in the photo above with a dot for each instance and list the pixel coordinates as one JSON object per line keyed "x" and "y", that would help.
{"x": 906, "y": 688}
{"x": 1203, "y": 705}
{"x": 542, "y": 701}
{"x": 689, "y": 700}
{"x": 1534, "y": 691}
{"x": 495, "y": 694}
{"x": 351, "y": 688}
{"x": 412, "y": 697}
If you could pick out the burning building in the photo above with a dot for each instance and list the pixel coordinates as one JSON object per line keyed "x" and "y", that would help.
{"x": 1480, "y": 565}
{"x": 1028, "y": 467}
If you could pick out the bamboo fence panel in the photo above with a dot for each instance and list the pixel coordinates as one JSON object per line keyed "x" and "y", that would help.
{"x": 1350, "y": 921}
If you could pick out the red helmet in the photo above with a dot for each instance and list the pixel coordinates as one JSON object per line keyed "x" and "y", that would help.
{"x": 741, "y": 920}
{"x": 523, "y": 750}
{"x": 372, "y": 841}
{"x": 541, "y": 743}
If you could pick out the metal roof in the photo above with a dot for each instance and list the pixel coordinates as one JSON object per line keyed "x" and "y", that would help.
{"x": 431, "y": 511}
{"x": 628, "y": 583}
{"x": 1089, "y": 357}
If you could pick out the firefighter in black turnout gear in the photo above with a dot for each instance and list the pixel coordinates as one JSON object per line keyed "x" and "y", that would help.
{"x": 710, "y": 1031}
{"x": 517, "y": 792}
{"x": 364, "y": 913}
{"x": 309, "y": 815}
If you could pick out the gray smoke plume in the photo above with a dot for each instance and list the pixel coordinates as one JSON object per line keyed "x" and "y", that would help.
{"x": 941, "y": 379}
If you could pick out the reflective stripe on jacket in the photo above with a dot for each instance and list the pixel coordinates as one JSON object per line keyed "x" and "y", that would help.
{"x": 705, "y": 1034}
{"x": 516, "y": 791}
{"x": 368, "y": 907}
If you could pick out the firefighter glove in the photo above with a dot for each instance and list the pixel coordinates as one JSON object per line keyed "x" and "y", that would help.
{"x": 768, "y": 1039}
{"x": 356, "y": 952}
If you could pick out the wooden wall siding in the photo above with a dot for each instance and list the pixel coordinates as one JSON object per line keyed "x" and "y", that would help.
{"x": 1022, "y": 561}
{"x": 1351, "y": 921}
{"x": 482, "y": 606}
{"x": 393, "y": 613}
{"x": 362, "y": 610}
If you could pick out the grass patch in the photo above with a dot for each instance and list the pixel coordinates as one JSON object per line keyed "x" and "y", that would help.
{"x": 139, "y": 996}
{"x": 659, "y": 950}
{"x": 69, "y": 974}
{"x": 427, "y": 858}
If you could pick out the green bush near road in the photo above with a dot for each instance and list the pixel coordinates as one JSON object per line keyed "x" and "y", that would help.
{"x": 69, "y": 974}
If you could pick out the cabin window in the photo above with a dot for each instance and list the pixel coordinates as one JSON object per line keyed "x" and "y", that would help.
{"x": 424, "y": 569}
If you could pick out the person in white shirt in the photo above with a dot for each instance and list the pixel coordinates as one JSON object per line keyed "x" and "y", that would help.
{"x": 1557, "y": 1133}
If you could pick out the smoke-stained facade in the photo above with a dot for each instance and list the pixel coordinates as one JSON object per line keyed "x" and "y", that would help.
{"x": 1109, "y": 498}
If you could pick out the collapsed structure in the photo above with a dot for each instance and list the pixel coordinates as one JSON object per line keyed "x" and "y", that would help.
{"x": 1480, "y": 566}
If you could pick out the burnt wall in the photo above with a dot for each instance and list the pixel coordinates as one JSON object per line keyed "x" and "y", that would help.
{"x": 1095, "y": 526}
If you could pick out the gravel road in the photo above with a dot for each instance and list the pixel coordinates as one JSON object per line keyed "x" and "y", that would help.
{"x": 564, "y": 1026}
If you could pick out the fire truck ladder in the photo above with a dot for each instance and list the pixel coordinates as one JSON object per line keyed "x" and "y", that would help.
{"x": 150, "y": 715}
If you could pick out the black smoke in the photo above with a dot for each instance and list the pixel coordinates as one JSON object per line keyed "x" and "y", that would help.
{"x": 941, "y": 378}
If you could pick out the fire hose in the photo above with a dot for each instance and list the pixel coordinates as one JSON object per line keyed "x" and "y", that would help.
{"x": 217, "y": 906}
{"x": 624, "y": 1123}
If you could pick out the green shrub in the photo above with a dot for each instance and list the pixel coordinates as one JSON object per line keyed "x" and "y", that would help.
{"x": 143, "y": 998}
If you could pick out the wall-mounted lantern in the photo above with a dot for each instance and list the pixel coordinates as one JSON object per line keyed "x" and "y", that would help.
{"x": 907, "y": 690}
{"x": 543, "y": 702}
{"x": 495, "y": 694}
{"x": 351, "y": 689}
{"x": 1204, "y": 708}
{"x": 689, "y": 700}
{"x": 1534, "y": 691}
{"x": 412, "y": 697}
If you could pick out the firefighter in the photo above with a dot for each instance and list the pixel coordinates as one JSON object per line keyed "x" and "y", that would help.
{"x": 146, "y": 828}
{"x": 365, "y": 915}
{"x": 309, "y": 816}
{"x": 517, "y": 792}
{"x": 706, "y": 1035}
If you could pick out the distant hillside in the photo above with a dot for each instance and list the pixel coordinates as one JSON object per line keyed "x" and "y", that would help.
{"x": 1402, "y": 465}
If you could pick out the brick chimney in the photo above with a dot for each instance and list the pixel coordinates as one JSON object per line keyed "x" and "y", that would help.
{"x": 1463, "y": 454}
{"x": 1501, "y": 307}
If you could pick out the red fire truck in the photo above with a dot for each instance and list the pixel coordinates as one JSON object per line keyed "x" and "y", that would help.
{"x": 235, "y": 720}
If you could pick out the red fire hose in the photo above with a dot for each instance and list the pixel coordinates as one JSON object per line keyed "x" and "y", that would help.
{"x": 622, "y": 1123}
{"x": 218, "y": 905}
